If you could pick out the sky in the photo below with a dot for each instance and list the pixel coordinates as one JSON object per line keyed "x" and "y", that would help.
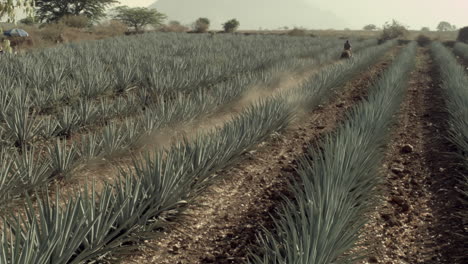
{"x": 413, "y": 13}
{"x": 357, "y": 13}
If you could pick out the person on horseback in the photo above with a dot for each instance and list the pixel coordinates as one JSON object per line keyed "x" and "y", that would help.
{"x": 347, "y": 45}
{"x": 346, "y": 54}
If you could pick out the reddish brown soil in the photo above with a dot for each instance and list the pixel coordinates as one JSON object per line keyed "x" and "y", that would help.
{"x": 221, "y": 225}
{"x": 417, "y": 221}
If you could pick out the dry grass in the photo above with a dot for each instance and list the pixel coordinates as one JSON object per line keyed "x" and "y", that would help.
{"x": 52, "y": 34}
{"x": 344, "y": 34}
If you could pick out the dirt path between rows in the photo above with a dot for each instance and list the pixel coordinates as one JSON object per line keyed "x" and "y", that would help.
{"x": 417, "y": 221}
{"x": 105, "y": 170}
{"x": 221, "y": 225}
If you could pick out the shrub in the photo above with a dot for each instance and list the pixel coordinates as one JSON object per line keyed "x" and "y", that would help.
{"x": 231, "y": 25}
{"x": 425, "y": 29}
{"x": 110, "y": 29}
{"x": 174, "y": 26}
{"x": 202, "y": 25}
{"x": 370, "y": 27}
{"x": 75, "y": 21}
{"x": 28, "y": 21}
{"x": 296, "y": 32}
{"x": 393, "y": 30}
{"x": 463, "y": 35}
{"x": 423, "y": 40}
{"x": 53, "y": 32}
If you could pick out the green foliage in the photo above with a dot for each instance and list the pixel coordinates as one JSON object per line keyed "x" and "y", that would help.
{"x": 169, "y": 91}
{"x": 461, "y": 49}
{"x": 423, "y": 40}
{"x": 455, "y": 88}
{"x": 231, "y": 25}
{"x": 62, "y": 157}
{"x": 393, "y": 30}
{"x": 337, "y": 181}
{"x": 202, "y": 25}
{"x": 139, "y": 17}
{"x": 297, "y": 32}
{"x": 110, "y": 28}
{"x": 54, "y": 10}
{"x": 446, "y": 26}
{"x": 425, "y": 29}
{"x": 28, "y": 21}
{"x": 74, "y": 21}
{"x": 463, "y": 35}
{"x": 10, "y": 7}
{"x": 174, "y": 26}
{"x": 370, "y": 27}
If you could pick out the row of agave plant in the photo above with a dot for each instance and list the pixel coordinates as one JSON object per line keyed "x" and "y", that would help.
{"x": 59, "y": 157}
{"x": 84, "y": 112}
{"x": 160, "y": 63}
{"x": 455, "y": 88}
{"x": 90, "y": 223}
{"x": 461, "y": 49}
{"x": 337, "y": 181}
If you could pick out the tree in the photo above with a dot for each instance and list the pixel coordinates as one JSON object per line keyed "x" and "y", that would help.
{"x": 174, "y": 26}
{"x": 231, "y": 25}
{"x": 54, "y": 10}
{"x": 463, "y": 35}
{"x": 202, "y": 25}
{"x": 138, "y": 17}
{"x": 370, "y": 27}
{"x": 393, "y": 30}
{"x": 446, "y": 26}
{"x": 28, "y": 21}
{"x": 8, "y": 8}
{"x": 425, "y": 29}
{"x": 75, "y": 21}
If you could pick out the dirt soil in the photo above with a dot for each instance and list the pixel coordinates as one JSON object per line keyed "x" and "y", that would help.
{"x": 221, "y": 225}
{"x": 417, "y": 221}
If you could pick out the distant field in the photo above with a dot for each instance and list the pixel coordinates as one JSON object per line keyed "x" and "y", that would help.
{"x": 234, "y": 148}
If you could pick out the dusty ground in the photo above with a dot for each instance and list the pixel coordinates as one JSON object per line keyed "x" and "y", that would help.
{"x": 416, "y": 222}
{"x": 221, "y": 226}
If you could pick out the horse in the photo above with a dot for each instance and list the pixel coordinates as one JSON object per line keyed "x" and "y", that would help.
{"x": 346, "y": 54}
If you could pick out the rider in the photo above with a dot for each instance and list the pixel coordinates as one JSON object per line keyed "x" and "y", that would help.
{"x": 347, "y": 45}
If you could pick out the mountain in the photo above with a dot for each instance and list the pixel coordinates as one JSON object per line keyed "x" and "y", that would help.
{"x": 252, "y": 14}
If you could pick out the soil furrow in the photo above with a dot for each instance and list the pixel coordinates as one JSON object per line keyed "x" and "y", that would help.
{"x": 416, "y": 222}
{"x": 105, "y": 170}
{"x": 221, "y": 225}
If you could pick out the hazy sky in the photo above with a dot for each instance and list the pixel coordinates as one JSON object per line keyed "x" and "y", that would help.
{"x": 414, "y": 13}
{"x": 357, "y": 13}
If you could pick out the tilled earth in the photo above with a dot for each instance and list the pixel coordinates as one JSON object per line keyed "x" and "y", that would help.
{"x": 417, "y": 221}
{"x": 221, "y": 226}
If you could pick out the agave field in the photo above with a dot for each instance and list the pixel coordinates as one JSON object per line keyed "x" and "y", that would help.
{"x": 172, "y": 118}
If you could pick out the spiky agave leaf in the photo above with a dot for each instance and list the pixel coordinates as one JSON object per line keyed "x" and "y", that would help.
{"x": 114, "y": 138}
{"x": 455, "y": 90}
{"x": 68, "y": 121}
{"x": 322, "y": 223}
{"x": 86, "y": 111}
{"x": 461, "y": 49}
{"x": 63, "y": 157}
{"x": 31, "y": 168}
{"x": 49, "y": 127}
{"x": 90, "y": 146}
{"x": 8, "y": 179}
{"x": 48, "y": 234}
{"x": 22, "y": 126}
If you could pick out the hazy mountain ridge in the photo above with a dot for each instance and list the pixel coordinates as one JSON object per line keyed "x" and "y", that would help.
{"x": 252, "y": 14}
